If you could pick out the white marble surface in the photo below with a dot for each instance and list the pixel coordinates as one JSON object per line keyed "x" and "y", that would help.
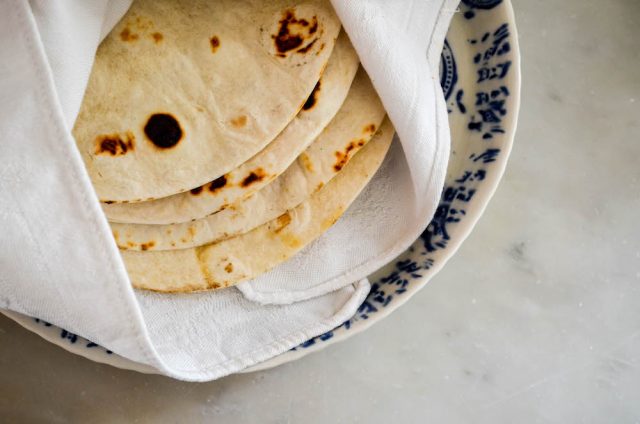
{"x": 537, "y": 319}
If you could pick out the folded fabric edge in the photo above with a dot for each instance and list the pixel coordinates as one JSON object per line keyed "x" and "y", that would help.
{"x": 433, "y": 51}
{"x": 347, "y": 310}
{"x": 89, "y": 205}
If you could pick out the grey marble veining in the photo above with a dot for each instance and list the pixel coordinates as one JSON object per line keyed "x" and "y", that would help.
{"x": 536, "y": 319}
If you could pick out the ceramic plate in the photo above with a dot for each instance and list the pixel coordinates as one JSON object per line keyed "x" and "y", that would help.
{"x": 480, "y": 77}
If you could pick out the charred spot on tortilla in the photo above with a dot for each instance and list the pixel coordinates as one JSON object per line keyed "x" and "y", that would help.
{"x": 229, "y": 268}
{"x": 313, "y": 98}
{"x": 306, "y": 48}
{"x": 306, "y": 161}
{"x": 126, "y": 35}
{"x": 293, "y": 32}
{"x": 163, "y": 130}
{"x": 148, "y": 245}
{"x": 314, "y": 27}
{"x": 371, "y": 128}
{"x": 114, "y": 144}
{"x": 196, "y": 191}
{"x": 239, "y": 122}
{"x": 217, "y": 184}
{"x": 109, "y": 202}
{"x": 282, "y": 221}
{"x": 215, "y": 43}
{"x": 343, "y": 157}
{"x": 254, "y": 176}
{"x": 157, "y": 37}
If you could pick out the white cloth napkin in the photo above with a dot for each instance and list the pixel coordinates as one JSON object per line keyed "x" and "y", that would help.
{"x": 58, "y": 260}
{"x": 399, "y": 44}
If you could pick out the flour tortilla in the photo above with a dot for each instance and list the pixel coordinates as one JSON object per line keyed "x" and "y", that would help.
{"x": 223, "y": 264}
{"x": 260, "y": 170}
{"x": 353, "y": 126}
{"x": 183, "y": 91}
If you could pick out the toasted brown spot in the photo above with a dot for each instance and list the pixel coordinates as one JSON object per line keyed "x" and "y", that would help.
{"x": 192, "y": 231}
{"x": 131, "y": 244}
{"x": 163, "y": 130}
{"x": 109, "y": 202}
{"x": 201, "y": 255}
{"x": 293, "y": 32}
{"x": 306, "y": 161}
{"x": 306, "y": 48}
{"x": 215, "y": 43}
{"x": 229, "y": 268}
{"x": 183, "y": 239}
{"x": 148, "y": 245}
{"x": 157, "y": 37}
{"x": 217, "y": 184}
{"x": 319, "y": 186}
{"x": 281, "y": 222}
{"x": 173, "y": 244}
{"x": 115, "y": 235}
{"x": 114, "y": 144}
{"x": 239, "y": 122}
{"x": 254, "y": 176}
{"x": 196, "y": 191}
{"x": 313, "y": 98}
{"x": 314, "y": 27}
{"x": 371, "y": 128}
{"x": 127, "y": 35}
{"x": 327, "y": 223}
{"x": 343, "y": 157}
{"x": 291, "y": 241}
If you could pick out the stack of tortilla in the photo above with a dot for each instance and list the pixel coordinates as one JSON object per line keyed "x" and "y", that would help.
{"x": 223, "y": 137}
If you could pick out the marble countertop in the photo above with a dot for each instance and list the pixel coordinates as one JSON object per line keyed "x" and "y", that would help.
{"x": 536, "y": 319}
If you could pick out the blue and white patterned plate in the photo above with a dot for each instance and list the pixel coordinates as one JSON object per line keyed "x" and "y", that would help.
{"x": 480, "y": 77}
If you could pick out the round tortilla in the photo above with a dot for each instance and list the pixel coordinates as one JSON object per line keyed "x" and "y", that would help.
{"x": 354, "y": 125}
{"x": 231, "y": 261}
{"x": 182, "y": 92}
{"x": 251, "y": 176}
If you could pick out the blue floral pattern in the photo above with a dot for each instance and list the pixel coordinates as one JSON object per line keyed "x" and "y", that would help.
{"x": 485, "y": 116}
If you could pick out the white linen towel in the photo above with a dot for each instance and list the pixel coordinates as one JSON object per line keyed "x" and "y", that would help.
{"x": 399, "y": 44}
{"x": 58, "y": 260}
